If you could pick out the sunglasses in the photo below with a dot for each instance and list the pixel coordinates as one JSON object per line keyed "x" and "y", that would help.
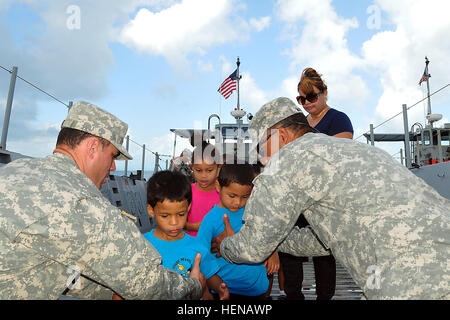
{"x": 311, "y": 97}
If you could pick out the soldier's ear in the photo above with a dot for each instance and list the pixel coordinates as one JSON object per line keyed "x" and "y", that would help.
{"x": 150, "y": 211}
{"x": 286, "y": 136}
{"x": 92, "y": 146}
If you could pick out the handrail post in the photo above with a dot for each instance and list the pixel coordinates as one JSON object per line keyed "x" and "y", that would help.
{"x": 12, "y": 86}
{"x": 407, "y": 147}
{"x": 126, "y": 161}
{"x": 156, "y": 162}
{"x": 372, "y": 135}
{"x": 143, "y": 161}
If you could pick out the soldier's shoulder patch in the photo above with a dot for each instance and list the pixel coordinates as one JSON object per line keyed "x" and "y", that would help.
{"x": 128, "y": 215}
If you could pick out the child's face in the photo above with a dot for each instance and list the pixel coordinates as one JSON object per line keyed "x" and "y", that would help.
{"x": 233, "y": 197}
{"x": 205, "y": 175}
{"x": 170, "y": 218}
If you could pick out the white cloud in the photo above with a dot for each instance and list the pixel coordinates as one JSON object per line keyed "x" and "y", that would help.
{"x": 205, "y": 66}
{"x": 260, "y": 24}
{"x": 226, "y": 67}
{"x": 252, "y": 96}
{"x": 69, "y": 64}
{"x": 164, "y": 144}
{"x": 397, "y": 57}
{"x": 192, "y": 26}
{"x": 321, "y": 43}
{"x": 289, "y": 87}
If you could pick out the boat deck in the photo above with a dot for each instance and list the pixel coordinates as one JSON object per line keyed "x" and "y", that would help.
{"x": 346, "y": 288}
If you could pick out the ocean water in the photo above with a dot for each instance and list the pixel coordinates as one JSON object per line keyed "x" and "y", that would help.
{"x": 147, "y": 174}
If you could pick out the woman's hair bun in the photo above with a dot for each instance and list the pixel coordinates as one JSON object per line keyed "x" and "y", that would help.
{"x": 311, "y": 78}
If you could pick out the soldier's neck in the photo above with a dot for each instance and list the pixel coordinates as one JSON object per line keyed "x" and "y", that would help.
{"x": 70, "y": 152}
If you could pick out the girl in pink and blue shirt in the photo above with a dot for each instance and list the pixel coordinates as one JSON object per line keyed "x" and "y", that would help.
{"x": 205, "y": 166}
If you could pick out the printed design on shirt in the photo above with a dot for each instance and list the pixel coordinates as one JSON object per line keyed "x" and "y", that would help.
{"x": 183, "y": 266}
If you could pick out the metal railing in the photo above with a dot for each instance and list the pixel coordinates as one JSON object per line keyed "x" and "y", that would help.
{"x": 159, "y": 158}
{"x": 407, "y": 152}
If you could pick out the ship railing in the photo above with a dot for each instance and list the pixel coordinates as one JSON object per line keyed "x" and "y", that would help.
{"x": 408, "y": 137}
{"x": 160, "y": 159}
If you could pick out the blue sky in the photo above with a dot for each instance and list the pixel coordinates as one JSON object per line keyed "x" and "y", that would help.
{"x": 158, "y": 64}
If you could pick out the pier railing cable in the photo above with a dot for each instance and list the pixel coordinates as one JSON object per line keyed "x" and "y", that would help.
{"x": 36, "y": 87}
{"x": 68, "y": 106}
{"x": 154, "y": 153}
{"x": 415, "y": 104}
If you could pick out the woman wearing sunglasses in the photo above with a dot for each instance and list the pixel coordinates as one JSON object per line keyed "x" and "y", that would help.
{"x": 329, "y": 121}
{"x": 313, "y": 97}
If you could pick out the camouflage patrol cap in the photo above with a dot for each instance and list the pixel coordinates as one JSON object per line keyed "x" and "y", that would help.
{"x": 89, "y": 118}
{"x": 271, "y": 113}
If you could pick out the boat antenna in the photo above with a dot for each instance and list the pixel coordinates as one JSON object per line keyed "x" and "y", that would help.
{"x": 238, "y": 63}
{"x": 238, "y": 113}
{"x": 427, "y": 77}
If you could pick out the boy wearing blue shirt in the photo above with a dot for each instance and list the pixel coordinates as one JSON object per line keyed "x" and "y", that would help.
{"x": 234, "y": 185}
{"x": 169, "y": 198}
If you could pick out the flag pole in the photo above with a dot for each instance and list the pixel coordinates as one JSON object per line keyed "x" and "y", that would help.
{"x": 238, "y": 63}
{"x": 428, "y": 84}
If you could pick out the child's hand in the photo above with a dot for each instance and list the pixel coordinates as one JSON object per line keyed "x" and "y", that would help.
{"x": 224, "y": 293}
{"x": 196, "y": 274}
{"x": 207, "y": 295}
{"x": 272, "y": 264}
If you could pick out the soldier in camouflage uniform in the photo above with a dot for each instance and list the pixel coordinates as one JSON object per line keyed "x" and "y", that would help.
{"x": 386, "y": 226}
{"x": 56, "y": 224}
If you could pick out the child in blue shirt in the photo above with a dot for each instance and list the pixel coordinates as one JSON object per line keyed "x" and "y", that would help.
{"x": 234, "y": 185}
{"x": 169, "y": 198}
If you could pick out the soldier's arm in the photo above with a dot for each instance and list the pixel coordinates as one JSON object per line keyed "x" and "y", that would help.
{"x": 302, "y": 242}
{"x": 279, "y": 197}
{"x": 269, "y": 217}
{"x": 122, "y": 259}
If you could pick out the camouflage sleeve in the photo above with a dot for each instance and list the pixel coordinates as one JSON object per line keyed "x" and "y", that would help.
{"x": 280, "y": 195}
{"x": 270, "y": 215}
{"x": 302, "y": 242}
{"x": 121, "y": 258}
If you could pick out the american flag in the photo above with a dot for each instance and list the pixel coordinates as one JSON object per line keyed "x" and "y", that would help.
{"x": 229, "y": 85}
{"x": 424, "y": 77}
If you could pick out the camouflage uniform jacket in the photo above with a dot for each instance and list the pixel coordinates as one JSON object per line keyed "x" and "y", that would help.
{"x": 386, "y": 226}
{"x": 53, "y": 220}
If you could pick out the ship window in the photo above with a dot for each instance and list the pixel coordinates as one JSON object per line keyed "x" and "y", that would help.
{"x": 426, "y": 137}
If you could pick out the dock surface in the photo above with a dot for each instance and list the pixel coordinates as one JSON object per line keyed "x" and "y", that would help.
{"x": 346, "y": 288}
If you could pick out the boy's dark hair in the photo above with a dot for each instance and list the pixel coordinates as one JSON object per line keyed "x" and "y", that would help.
{"x": 238, "y": 173}
{"x": 168, "y": 185}
{"x": 257, "y": 167}
{"x": 73, "y": 137}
